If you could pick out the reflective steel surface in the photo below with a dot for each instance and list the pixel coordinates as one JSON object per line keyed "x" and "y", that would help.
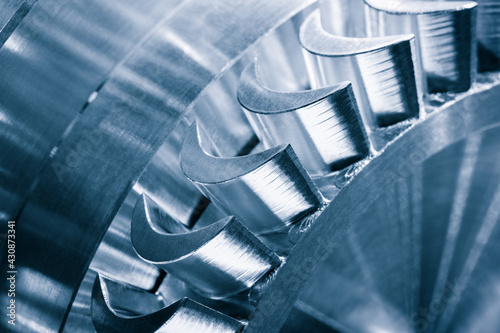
{"x": 91, "y": 168}
{"x": 446, "y": 34}
{"x": 383, "y": 69}
{"x": 218, "y": 260}
{"x": 381, "y": 239}
{"x": 267, "y": 191}
{"x": 323, "y": 126}
{"x": 111, "y": 313}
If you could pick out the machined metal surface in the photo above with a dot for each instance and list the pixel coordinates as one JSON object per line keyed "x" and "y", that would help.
{"x": 446, "y": 37}
{"x": 221, "y": 259}
{"x": 383, "y": 70}
{"x": 267, "y": 191}
{"x": 323, "y": 126}
{"x": 181, "y": 316}
{"x": 187, "y": 166}
{"x": 124, "y": 125}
